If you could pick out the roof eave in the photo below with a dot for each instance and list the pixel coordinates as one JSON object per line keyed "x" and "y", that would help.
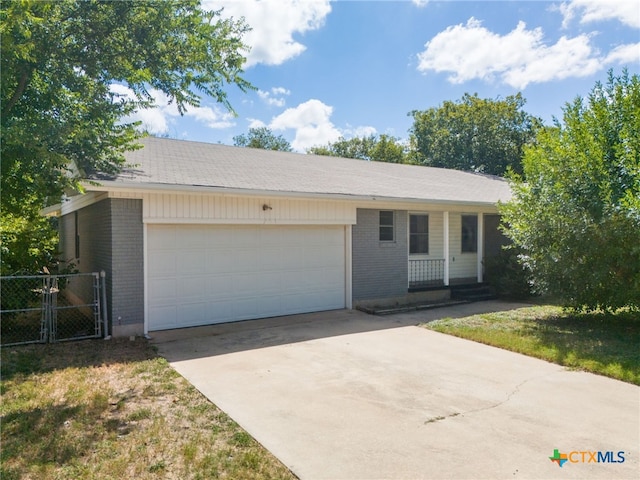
{"x": 51, "y": 211}
{"x": 113, "y": 186}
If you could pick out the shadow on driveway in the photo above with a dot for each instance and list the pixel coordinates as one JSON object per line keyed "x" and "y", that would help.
{"x": 346, "y": 395}
{"x": 233, "y": 337}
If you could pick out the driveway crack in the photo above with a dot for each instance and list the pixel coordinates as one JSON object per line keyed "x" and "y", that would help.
{"x": 515, "y": 390}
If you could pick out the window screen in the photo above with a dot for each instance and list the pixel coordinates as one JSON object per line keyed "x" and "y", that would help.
{"x": 469, "y": 233}
{"x": 418, "y": 234}
{"x": 386, "y": 226}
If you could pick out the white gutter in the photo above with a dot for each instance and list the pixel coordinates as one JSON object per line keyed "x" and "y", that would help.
{"x": 51, "y": 211}
{"x": 110, "y": 186}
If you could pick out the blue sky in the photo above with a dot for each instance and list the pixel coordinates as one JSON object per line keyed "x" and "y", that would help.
{"x": 352, "y": 68}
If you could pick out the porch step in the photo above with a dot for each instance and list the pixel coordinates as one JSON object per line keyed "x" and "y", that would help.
{"x": 388, "y": 310}
{"x": 473, "y": 292}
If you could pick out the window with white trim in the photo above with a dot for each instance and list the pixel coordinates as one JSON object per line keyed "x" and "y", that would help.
{"x": 386, "y": 228}
{"x": 418, "y": 234}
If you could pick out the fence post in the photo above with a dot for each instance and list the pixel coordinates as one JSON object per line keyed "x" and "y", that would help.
{"x": 103, "y": 286}
{"x": 45, "y": 315}
{"x": 51, "y": 306}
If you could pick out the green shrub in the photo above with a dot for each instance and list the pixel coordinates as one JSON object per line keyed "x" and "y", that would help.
{"x": 507, "y": 275}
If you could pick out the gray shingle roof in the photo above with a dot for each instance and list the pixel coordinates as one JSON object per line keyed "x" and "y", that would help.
{"x": 168, "y": 162}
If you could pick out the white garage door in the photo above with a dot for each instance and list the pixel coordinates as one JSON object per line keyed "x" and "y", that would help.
{"x": 205, "y": 274}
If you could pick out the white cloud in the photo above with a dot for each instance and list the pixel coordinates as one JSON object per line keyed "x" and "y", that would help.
{"x": 518, "y": 58}
{"x": 311, "y": 121}
{"x": 256, "y": 123}
{"x": 624, "y": 54}
{"x": 420, "y": 3}
{"x": 156, "y": 120}
{"x": 274, "y": 97}
{"x": 274, "y": 23}
{"x": 568, "y": 57}
{"x": 625, "y": 11}
{"x": 361, "y": 131}
{"x": 153, "y": 120}
{"x": 312, "y": 125}
{"x": 211, "y": 117}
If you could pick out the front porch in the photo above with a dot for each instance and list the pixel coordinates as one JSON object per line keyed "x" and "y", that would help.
{"x": 445, "y": 249}
{"x": 425, "y": 298}
{"x": 425, "y": 274}
{"x": 428, "y": 274}
{"x": 400, "y": 252}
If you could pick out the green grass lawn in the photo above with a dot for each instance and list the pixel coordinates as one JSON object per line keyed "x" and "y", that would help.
{"x": 603, "y": 343}
{"x": 114, "y": 409}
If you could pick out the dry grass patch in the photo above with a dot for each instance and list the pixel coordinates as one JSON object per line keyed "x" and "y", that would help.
{"x": 112, "y": 410}
{"x": 603, "y": 343}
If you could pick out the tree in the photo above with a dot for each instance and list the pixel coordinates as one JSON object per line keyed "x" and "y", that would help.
{"x": 383, "y": 148}
{"x": 60, "y": 118}
{"x": 473, "y": 134}
{"x": 577, "y": 215}
{"x": 264, "y": 138}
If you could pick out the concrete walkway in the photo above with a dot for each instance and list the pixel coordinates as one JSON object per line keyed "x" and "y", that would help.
{"x": 345, "y": 395}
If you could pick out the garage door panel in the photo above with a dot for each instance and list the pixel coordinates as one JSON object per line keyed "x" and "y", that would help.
{"x": 219, "y": 287}
{"x": 220, "y": 260}
{"x": 256, "y": 283}
{"x": 334, "y": 255}
{"x": 332, "y": 237}
{"x": 296, "y": 256}
{"x": 327, "y": 276}
{"x": 166, "y": 289}
{"x": 164, "y": 263}
{"x": 204, "y": 274}
{"x": 317, "y": 261}
{"x": 297, "y": 236}
{"x": 244, "y": 236}
{"x": 295, "y": 281}
{"x": 164, "y": 237}
{"x": 164, "y": 316}
{"x": 271, "y": 237}
{"x": 314, "y": 301}
{"x": 219, "y": 311}
{"x": 191, "y": 263}
{"x": 220, "y": 237}
{"x": 257, "y": 306}
{"x": 269, "y": 258}
{"x": 193, "y": 237}
{"x": 248, "y": 307}
{"x": 310, "y": 281}
{"x": 246, "y": 259}
{"x": 268, "y": 283}
{"x": 194, "y": 287}
{"x": 193, "y": 313}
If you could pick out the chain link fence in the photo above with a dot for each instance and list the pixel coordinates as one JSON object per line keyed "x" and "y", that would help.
{"x": 51, "y": 308}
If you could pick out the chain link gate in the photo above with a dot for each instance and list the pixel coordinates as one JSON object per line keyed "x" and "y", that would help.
{"x": 51, "y": 308}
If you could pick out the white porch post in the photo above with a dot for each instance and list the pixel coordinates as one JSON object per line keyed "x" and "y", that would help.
{"x": 480, "y": 245}
{"x": 446, "y": 247}
{"x": 348, "y": 268}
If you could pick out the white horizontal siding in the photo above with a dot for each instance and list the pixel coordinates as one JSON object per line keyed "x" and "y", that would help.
{"x": 436, "y": 235}
{"x": 217, "y": 209}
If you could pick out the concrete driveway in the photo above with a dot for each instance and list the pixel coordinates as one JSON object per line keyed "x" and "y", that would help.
{"x": 345, "y": 395}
